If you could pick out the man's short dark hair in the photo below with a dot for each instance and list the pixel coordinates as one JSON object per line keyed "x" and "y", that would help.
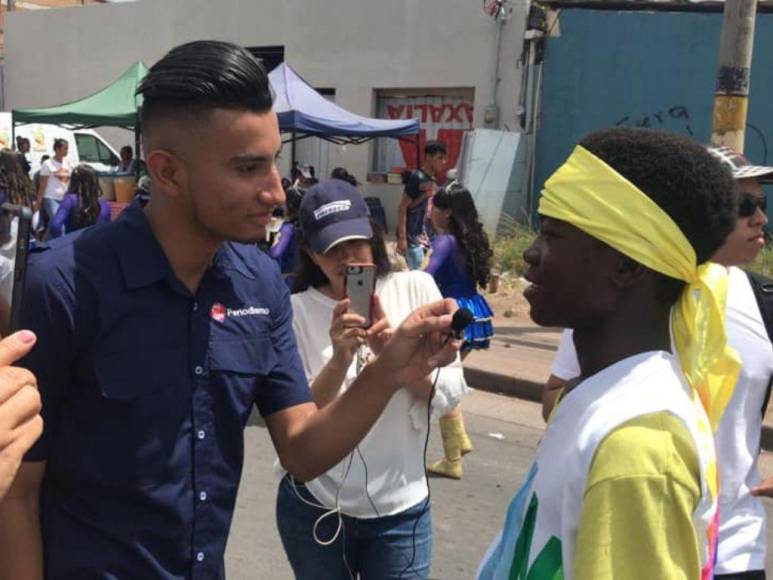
{"x": 679, "y": 175}
{"x": 432, "y": 148}
{"x": 127, "y": 148}
{"x": 197, "y": 77}
{"x": 59, "y": 142}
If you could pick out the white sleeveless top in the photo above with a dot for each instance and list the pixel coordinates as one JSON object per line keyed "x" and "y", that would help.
{"x": 543, "y": 519}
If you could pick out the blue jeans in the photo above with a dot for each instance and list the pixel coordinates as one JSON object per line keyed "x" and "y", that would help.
{"x": 50, "y": 207}
{"x": 378, "y": 548}
{"x": 414, "y": 256}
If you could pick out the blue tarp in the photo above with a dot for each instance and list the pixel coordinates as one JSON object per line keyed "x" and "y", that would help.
{"x": 303, "y": 110}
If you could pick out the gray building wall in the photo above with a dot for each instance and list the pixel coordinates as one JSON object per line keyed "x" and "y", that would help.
{"x": 354, "y": 46}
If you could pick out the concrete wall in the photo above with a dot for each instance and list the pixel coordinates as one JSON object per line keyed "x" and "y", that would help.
{"x": 354, "y": 46}
{"x": 652, "y": 69}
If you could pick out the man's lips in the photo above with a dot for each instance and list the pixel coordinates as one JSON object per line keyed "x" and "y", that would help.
{"x": 533, "y": 286}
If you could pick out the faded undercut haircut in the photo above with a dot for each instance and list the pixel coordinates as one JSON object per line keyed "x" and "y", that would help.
{"x": 193, "y": 79}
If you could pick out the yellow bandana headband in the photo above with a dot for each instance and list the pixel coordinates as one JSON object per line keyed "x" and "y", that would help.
{"x": 590, "y": 195}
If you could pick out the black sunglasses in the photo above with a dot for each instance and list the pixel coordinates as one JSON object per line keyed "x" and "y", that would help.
{"x": 748, "y": 204}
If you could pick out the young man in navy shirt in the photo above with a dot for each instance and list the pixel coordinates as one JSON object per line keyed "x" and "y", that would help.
{"x": 412, "y": 212}
{"x": 157, "y": 335}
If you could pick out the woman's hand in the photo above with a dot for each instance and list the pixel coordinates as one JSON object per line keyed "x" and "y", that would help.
{"x": 380, "y": 330}
{"x": 346, "y": 333}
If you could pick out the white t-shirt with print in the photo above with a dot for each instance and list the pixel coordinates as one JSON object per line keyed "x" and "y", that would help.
{"x": 742, "y": 529}
{"x": 393, "y": 449}
{"x": 58, "y": 178}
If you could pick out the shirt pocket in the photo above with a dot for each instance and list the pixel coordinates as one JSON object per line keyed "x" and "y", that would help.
{"x": 144, "y": 412}
{"x": 252, "y": 356}
{"x": 240, "y": 367}
{"x": 131, "y": 374}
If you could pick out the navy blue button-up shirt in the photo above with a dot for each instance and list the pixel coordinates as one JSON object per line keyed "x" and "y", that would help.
{"x": 146, "y": 391}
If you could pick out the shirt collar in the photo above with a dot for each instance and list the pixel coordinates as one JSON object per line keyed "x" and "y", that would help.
{"x": 143, "y": 261}
{"x": 229, "y": 258}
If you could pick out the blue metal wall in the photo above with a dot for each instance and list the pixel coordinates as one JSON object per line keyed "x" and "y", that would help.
{"x": 653, "y": 69}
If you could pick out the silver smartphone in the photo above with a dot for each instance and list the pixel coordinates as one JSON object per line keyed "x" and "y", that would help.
{"x": 360, "y": 284}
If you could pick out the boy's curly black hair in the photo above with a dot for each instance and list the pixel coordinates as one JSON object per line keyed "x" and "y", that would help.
{"x": 682, "y": 177}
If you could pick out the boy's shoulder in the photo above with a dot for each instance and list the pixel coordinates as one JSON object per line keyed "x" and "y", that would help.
{"x": 653, "y": 445}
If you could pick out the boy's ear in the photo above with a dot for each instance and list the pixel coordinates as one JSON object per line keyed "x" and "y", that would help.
{"x": 628, "y": 272}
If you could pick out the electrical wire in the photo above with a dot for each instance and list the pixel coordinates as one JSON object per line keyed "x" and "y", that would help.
{"x": 425, "y": 507}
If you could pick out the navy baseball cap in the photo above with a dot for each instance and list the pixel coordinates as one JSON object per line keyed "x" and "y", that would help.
{"x": 334, "y": 211}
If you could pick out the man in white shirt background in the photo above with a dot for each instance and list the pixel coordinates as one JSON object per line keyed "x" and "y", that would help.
{"x": 54, "y": 181}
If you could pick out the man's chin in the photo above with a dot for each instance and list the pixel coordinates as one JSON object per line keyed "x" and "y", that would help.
{"x": 543, "y": 317}
{"x": 252, "y": 237}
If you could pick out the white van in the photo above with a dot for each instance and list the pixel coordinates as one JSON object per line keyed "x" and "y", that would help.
{"x": 85, "y": 145}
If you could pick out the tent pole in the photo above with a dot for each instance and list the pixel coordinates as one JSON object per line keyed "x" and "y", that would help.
{"x": 137, "y": 155}
{"x": 292, "y": 153}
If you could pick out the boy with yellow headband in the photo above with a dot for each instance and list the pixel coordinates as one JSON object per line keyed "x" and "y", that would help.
{"x": 624, "y": 481}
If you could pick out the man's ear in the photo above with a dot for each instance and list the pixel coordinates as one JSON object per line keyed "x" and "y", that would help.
{"x": 627, "y": 272}
{"x": 166, "y": 172}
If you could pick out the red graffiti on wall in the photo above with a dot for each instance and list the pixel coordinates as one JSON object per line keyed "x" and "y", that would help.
{"x": 426, "y": 112}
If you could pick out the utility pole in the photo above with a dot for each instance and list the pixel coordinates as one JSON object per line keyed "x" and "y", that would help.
{"x": 731, "y": 99}
{"x": 11, "y": 5}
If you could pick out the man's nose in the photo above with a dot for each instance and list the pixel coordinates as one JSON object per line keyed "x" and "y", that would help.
{"x": 273, "y": 192}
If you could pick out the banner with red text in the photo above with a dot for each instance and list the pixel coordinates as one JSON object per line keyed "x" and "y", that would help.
{"x": 444, "y": 118}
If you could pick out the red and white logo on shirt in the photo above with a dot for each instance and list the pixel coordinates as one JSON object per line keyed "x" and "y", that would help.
{"x": 220, "y": 313}
{"x": 217, "y": 312}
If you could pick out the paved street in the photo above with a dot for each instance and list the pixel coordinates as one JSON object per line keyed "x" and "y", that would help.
{"x": 466, "y": 513}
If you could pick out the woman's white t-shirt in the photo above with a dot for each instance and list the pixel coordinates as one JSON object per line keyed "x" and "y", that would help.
{"x": 742, "y": 528}
{"x": 393, "y": 450}
{"x": 58, "y": 174}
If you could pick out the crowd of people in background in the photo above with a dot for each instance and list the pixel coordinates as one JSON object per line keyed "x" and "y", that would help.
{"x": 647, "y": 468}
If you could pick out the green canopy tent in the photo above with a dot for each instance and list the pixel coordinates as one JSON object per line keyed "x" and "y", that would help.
{"x": 114, "y": 106}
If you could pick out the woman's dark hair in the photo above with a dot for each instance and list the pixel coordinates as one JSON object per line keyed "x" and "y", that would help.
{"x": 84, "y": 184}
{"x": 194, "y": 78}
{"x": 58, "y": 143}
{"x": 342, "y": 174}
{"x": 679, "y": 175}
{"x": 311, "y": 276}
{"x": 14, "y": 181}
{"x": 464, "y": 225}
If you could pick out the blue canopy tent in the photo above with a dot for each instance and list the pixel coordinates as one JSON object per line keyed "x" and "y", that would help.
{"x": 303, "y": 113}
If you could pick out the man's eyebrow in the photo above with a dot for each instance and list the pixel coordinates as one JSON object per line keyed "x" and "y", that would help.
{"x": 249, "y": 158}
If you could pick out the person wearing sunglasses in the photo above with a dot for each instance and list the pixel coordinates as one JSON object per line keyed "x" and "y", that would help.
{"x": 742, "y": 541}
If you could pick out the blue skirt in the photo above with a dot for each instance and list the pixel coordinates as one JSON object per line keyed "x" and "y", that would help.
{"x": 477, "y": 335}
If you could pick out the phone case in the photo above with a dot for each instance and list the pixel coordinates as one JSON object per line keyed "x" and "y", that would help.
{"x": 360, "y": 283}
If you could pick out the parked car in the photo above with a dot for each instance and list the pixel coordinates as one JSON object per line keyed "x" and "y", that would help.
{"x": 85, "y": 145}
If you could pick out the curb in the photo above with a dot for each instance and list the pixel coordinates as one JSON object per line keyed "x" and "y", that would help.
{"x": 498, "y": 383}
{"x": 512, "y": 386}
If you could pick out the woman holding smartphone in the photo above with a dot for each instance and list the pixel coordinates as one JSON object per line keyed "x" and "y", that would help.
{"x": 460, "y": 262}
{"x": 370, "y": 514}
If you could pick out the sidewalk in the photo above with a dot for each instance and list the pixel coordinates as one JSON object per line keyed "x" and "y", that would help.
{"x": 519, "y": 360}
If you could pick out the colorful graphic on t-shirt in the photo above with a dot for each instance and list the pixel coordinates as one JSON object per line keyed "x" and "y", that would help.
{"x": 508, "y": 559}
{"x": 62, "y": 174}
{"x": 547, "y": 565}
